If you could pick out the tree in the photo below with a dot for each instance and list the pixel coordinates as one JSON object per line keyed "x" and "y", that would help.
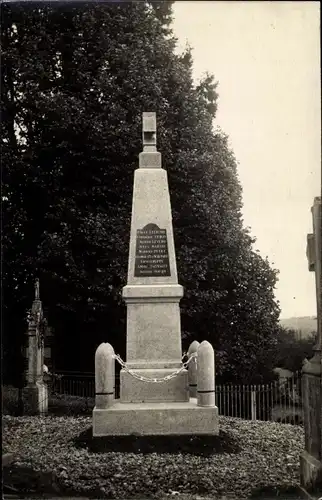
{"x": 290, "y": 351}
{"x": 74, "y": 85}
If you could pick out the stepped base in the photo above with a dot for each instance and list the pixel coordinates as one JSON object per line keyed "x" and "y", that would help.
{"x": 155, "y": 419}
{"x": 35, "y": 397}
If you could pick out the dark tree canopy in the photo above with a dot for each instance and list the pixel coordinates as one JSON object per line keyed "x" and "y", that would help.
{"x": 75, "y": 82}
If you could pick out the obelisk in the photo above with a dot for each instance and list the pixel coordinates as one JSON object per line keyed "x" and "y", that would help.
{"x": 152, "y": 293}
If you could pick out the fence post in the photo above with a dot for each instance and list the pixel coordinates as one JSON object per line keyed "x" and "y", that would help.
{"x": 253, "y": 403}
{"x": 219, "y": 392}
{"x": 271, "y": 404}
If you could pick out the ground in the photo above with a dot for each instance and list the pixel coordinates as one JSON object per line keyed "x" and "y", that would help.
{"x": 58, "y": 456}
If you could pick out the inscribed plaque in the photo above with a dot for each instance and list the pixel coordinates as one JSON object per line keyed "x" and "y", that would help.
{"x": 151, "y": 254}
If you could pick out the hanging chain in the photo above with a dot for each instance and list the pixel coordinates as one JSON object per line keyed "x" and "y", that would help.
{"x": 193, "y": 356}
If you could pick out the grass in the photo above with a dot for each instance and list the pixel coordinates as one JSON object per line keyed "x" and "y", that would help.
{"x": 57, "y": 455}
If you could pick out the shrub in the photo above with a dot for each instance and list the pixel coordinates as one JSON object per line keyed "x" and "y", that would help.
{"x": 63, "y": 404}
{"x": 10, "y": 400}
{"x": 58, "y": 404}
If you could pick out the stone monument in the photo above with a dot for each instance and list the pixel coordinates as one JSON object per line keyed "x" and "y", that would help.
{"x": 35, "y": 394}
{"x": 154, "y": 385}
{"x": 311, "y": 458}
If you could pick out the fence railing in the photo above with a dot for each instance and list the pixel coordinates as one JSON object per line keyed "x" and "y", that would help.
{"x": 278, "y": 401}
{"x": 74, "y": 384}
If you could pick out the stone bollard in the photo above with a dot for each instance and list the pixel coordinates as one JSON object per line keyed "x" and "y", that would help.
{"x": 192, "y": 369}
{"x": 104, "y": 376}
{"x": 206, "y": 375}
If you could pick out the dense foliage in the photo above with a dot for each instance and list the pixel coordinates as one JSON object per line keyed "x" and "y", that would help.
{"x": 291, "y": 350}
{"x": 75, "y": 81}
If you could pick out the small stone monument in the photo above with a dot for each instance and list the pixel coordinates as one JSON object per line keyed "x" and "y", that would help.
{"x": 35, "y": 394}
{"x": 311, "y": 458}
{"x": 154, "y": 385}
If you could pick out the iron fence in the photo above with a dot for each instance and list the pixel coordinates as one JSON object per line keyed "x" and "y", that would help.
{"x": 279, "y": 401}
{"x": 81, "y": 384}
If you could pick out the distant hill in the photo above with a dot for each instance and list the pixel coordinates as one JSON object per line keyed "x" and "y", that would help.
{"x": 305, "y": 325}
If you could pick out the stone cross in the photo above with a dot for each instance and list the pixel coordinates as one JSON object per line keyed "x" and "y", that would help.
{"x": 150, "y": 157}
{"x": 149, "y": 131}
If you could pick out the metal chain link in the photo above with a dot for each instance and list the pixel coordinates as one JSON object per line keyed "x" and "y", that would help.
{"x": 156, "y": 380}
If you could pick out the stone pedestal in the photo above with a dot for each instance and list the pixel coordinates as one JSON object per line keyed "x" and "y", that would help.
{"x": 311, "y": 458}
{"x": 152, "y": 296}
{"x": 133, "y": 390}
{"x": 35, "y": 394}
{"x": 155, "y": 419}
{"x": 35, "y": 398}
{"x": 153, "y": 343}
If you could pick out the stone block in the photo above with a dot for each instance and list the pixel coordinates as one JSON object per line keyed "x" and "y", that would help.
{"x": 156, "y": 419}
{"x": 135, "y": 391}
{"x": 150, "y": 160}
{"x": 153, "y": 332}
{"x": 136, "y": 294}
{"x": 149, "y": 121}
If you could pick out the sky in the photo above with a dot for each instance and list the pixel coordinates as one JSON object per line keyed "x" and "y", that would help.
{"x": 265, "y": 57}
